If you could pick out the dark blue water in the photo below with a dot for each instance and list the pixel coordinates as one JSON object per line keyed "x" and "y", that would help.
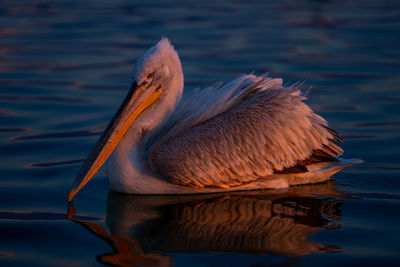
{"x": 65, "y": 66}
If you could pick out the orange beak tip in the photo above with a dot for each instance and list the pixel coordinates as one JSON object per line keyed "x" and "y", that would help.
{"x": 71, "y": 195}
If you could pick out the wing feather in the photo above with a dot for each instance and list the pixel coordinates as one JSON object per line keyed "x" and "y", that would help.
{"x": 252, "y": 128}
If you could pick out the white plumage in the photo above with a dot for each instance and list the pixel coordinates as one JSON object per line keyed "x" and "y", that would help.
{"x": 250, "y": 133}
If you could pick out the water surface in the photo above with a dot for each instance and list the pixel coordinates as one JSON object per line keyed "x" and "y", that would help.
{"x": 65, "y": 66}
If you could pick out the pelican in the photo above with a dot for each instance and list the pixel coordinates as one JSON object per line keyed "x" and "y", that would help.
{"x": 249, "y": 133}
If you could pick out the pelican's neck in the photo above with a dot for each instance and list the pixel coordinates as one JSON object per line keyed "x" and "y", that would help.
{"x": 128, "y": 166}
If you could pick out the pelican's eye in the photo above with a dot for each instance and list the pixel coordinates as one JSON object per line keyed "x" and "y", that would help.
{"x": 150, "y": 76}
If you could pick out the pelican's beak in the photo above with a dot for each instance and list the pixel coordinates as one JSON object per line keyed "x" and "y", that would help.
{"x": 134, "y": 104}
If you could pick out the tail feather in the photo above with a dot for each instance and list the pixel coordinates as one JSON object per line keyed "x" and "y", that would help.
{"x": 329, "y": 168}
{"x": 319, "y": 172}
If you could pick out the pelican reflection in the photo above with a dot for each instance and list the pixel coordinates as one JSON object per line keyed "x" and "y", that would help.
{"x": 145, "y": 230}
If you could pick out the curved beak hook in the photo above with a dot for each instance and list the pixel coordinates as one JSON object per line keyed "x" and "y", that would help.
{"x": 130, "y": 109}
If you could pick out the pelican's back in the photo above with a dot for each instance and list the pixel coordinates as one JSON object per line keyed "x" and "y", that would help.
{"x": 264, "y": 130}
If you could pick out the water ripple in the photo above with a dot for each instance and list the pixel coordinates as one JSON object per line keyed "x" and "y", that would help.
{"x": 6, "y": 215}
{"x": 359, "y": 136}
{"x": 57, "y": 135}
{"x": 381, "y": 196}
{"x": 45, "y": 98}
{"x": 13, "y": 129}
{"x": 377, "y": 124}
{"x": 54, "y": 163}
{"x": 7, "y": 112}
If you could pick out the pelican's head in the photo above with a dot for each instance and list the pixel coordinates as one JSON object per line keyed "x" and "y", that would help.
{"x": 156, "y": 88}
{"x": 160, "y": 65}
